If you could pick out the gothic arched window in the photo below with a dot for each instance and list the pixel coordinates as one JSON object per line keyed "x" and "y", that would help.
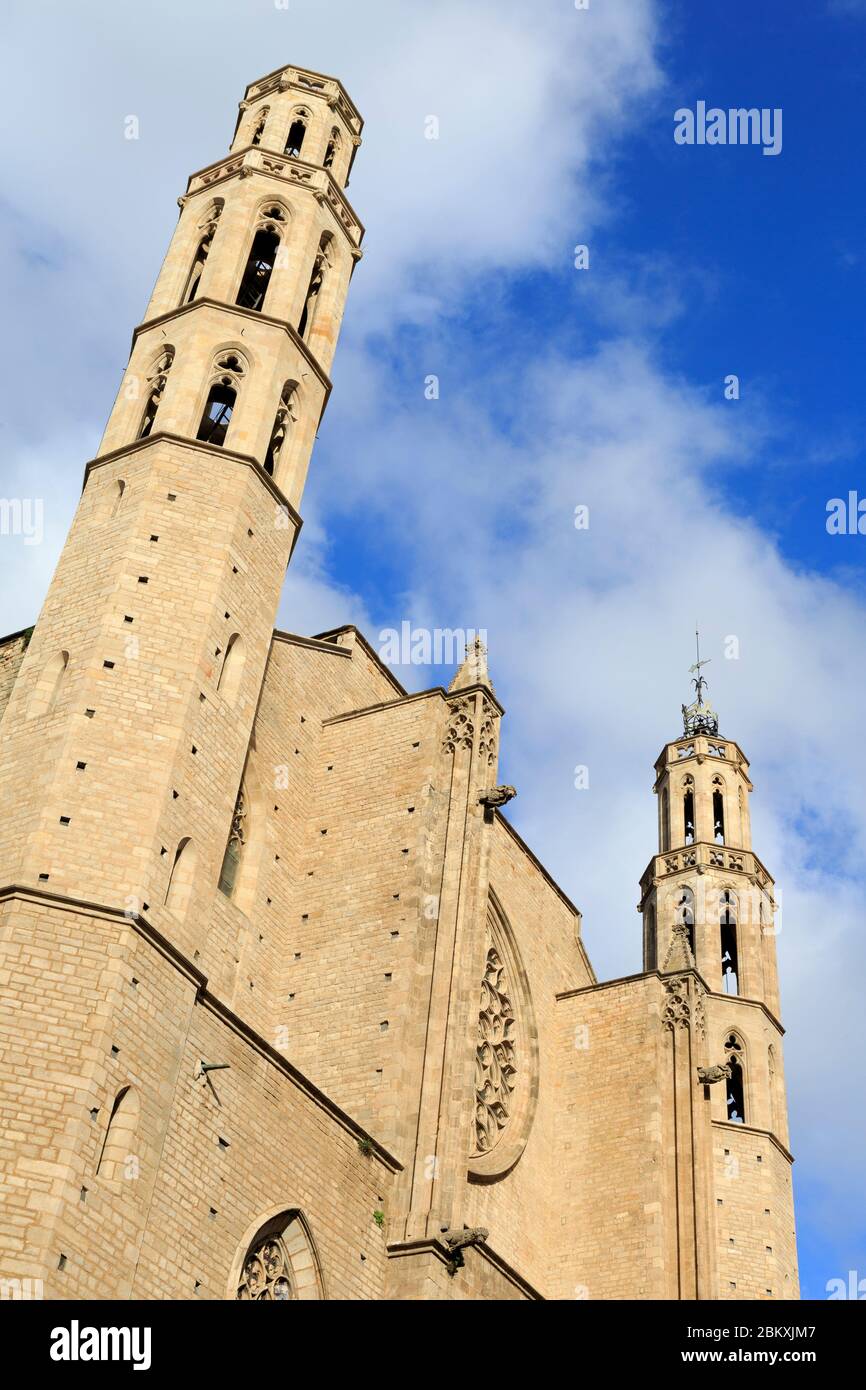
{"x": 235, "y": 847}
{"x": 259, "y": 268}
{"x": 180, "y": 884}
{"x": 118, "y": 1158}
{"x": 736, "y": 1089}
{"x": 333, "y": 147}
{"x": 297, "y": 131}
{"x": 718, "y": 810}
{"x": 218, "y": 411}
{"x": 286, "y": 418}
{"x": 156, "y": 382}
{"x": 689, "y": 814}
{"x": 232, "y": 668}
{"x": 665, "y": 836}
{"x": 321, "y": 266}
{"x": 221, "y": 399}
{"x": 281, "y": 1264}
{"x": 260, "y": 121}
{"x": 207, "y": 229}
{"x": 48, "y": 684}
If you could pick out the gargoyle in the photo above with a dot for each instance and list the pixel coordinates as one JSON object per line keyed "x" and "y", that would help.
{"x": 458, "y": 1240}
{"x": 708, "y": 1076}
{"x": 496, "y": 796}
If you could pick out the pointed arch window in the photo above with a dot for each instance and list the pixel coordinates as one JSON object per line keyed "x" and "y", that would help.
{"x": 120, "y": 489}
{"x": 689, "y": 812}
{"x": 728, "y": 945}
{"x": 736, "y": 1089}
{"x": 259, "y": 123}
{"x": 284, "y": 422}
{"x": 321, "y": 266}
{"x": 218, "y": 411}
{"x": 718, "y": 810}
{"x": 297, "y": 132}
{"x": 207, "y": 230}
{"x": 235, "y": 847}
{"x": 156, "y": 382}
{"x": 119, "y": 1157}
{"x": 182, "y": 881}
{"x": 332, "y": 148}
{"x": 280, "y": 1264}
{"x": 259, "y": 268}
{"x": 232, "y": 668}
{"x": 47, "y": 687}
{"x": 221, "y": 399}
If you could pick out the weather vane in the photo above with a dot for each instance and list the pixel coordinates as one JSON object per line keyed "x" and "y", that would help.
{"x": 698, "y": 717}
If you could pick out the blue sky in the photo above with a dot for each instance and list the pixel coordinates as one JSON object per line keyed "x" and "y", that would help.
{"x": 557, "y": 387}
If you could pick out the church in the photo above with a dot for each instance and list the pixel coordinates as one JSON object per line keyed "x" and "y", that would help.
{"x": 290, "y": 1009}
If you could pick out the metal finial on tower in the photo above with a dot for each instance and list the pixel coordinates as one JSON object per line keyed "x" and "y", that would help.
{"x": 699, "y": 717}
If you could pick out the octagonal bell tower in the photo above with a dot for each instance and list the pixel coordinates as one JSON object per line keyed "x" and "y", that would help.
{"x": 134, "y": 706}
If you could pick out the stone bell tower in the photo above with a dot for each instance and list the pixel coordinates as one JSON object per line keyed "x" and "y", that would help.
{"x": 125, "y": 738}
{"x": 709, "y": 927}
{"x": 144, "y": 668}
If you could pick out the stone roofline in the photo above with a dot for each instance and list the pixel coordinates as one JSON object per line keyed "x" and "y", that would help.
{"x": 204, "y": 996}
{"x": 666, "y": 975}
{"x": 262, "y": 85}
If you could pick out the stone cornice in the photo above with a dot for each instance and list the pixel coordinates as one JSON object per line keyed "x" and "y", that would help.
{"x": 436, "y": 692}
{"x": 292, "y": 639}
{"x": 701, "y": 857}
{"x": 291, "y": 79}
{"x": 752, "y": 1129}
{"x": 663, "y": 763}
{"x": 285, "y": 168}
{"x": 666, "y": 975}
{"x": 403, "y": 1249}
{"x": 201, "y": 446}
{"x": 206, "y": 999}
{"x": 253, "y": 316}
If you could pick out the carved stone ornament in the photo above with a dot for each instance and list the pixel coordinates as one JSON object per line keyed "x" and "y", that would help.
{"x": 709, "y": 1076}
{"x": 677, "y": 1011}
{"x": 497, "y": 796}
{"x": 495, "y": 1056}
{"x": 459, "y": 1240}
{"x": 461, "y": 730}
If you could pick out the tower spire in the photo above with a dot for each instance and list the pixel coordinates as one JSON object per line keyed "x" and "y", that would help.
{"x": 699, "y": 716}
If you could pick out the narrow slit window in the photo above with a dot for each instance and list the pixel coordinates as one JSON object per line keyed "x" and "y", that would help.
{"x": 728, "y": 930}
{"x": 689, "y": 817}
{"x": 718, "y": 817}
{"x": 735, "y": 1098}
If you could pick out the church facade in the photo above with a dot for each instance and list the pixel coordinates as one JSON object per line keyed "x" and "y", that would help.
{"x": 290, "y": 1010}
